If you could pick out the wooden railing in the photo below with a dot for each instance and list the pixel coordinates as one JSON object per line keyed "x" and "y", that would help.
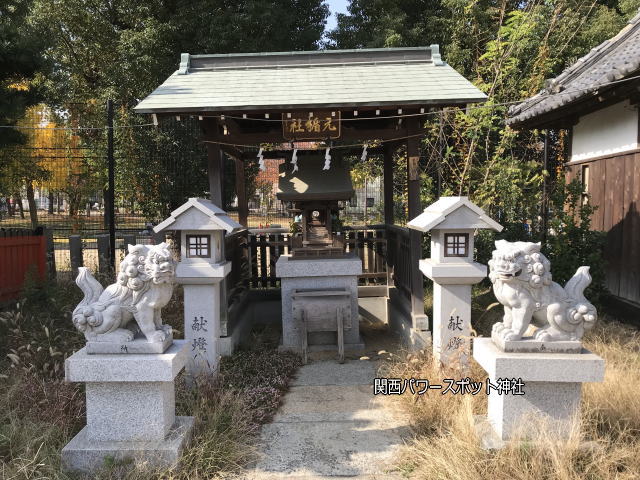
{"x": 266, "y": 245}
{"x": 383, "y": 249}
{"x": 370, "y": 244}
{"x": 236, "y": 251}
{"x": 399, "y": 258}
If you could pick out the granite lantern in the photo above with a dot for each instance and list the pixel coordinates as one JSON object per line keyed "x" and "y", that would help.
{"x": 452, "y": 222}
{"x": 202, "y": 267}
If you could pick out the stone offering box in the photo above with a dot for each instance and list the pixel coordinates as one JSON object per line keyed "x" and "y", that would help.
{"x": 322, "y": 312}
{"x": 130, "y": 409}
{"x": 320, "y": 276}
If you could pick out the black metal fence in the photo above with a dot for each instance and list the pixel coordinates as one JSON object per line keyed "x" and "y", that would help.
{"x": 58, "y": 177}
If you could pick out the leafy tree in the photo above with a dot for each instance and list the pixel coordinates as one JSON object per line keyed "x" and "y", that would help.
{"x": 507, "y": 49}
{"x": 20, "y": 61}
{"x": 391, "y": 23}
{"x": 24, "y": 168}
{"x": 123, "y": 50}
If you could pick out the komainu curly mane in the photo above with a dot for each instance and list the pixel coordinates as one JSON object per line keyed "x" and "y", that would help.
{"x": 144, "y": 285}
{"x": 521, "y": 277}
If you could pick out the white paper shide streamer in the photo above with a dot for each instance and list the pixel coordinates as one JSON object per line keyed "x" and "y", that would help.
{"x": 363, "y": 157}
{"x": 327, "y": 159}
{"x": 261, "y": 160}
{"x": 294, "y": 160}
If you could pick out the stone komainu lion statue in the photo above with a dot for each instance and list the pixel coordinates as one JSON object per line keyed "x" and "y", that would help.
{"x": 144, "y": 285}
{"x": 522, "y": 282}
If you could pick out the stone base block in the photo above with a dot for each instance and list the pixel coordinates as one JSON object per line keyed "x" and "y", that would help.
{"x": 106, "y": 368}
{"x": 130, "y": 411}
{"x": 552, "y": 389}
{"x": 545, "y": 406}
{"x": 489, "y": 439}
{"x": 86, "y": 455}
{"x": 138, "y": 345}
{"x": 530, "y": 345}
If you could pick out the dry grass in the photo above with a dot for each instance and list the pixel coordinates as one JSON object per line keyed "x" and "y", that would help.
{"x": 604, "y": 444}
{"x": 40, "y": 413}
{"x": 38, "y": 417}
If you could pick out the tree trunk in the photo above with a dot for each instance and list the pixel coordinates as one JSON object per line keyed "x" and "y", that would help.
{"x": 50, "y": 210}
{"x": 11, "y": 208}
{"x": 33, "y": 210}
{"x": 18, "y": 200}
{"x": 107, "y": 208}
{"x": 74, "y": 204}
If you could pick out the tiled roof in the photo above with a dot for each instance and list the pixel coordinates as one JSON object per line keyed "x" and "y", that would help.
{"x": 328, "y": 78}
{"x": 612, "y": 60}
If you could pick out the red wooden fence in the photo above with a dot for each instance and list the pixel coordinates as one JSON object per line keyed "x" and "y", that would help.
{"x": 18, "y": 255}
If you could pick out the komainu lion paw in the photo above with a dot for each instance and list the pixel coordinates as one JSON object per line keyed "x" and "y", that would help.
{"x": 542, "y": 336}
{"x": 498, "y": 327}
{"x": 166, "y": 329}
{"x": 509, "y": 335}
{"x": 157, "y": 336}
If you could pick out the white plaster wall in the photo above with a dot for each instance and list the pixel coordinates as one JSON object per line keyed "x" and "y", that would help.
{"x": 609, "y": 130}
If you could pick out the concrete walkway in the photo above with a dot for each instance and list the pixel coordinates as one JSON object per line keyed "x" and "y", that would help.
{"x": 331, "y": 425}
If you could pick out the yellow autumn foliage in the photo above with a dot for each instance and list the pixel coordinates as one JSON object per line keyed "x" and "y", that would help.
{"x": 51, "y": 147}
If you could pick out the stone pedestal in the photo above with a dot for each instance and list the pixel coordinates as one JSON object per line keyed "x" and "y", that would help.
{"x": 130, "y": 408}
{"x": 202, "y": 328}
{"x": 552, "y": 389}
{"x": 202, "y": 314}
{"x": 318, "y": 274}
{"x": 451, "y": 323}
{"x": 452, "y": 308}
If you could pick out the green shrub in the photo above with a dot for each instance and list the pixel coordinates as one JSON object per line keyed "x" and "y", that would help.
{"x": 570, "y": 242}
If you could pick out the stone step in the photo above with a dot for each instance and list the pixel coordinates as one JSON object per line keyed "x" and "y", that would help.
{"x": 329, "y": 448}
{"x": 312, "y": 403}
{"x": 329, "y": 372}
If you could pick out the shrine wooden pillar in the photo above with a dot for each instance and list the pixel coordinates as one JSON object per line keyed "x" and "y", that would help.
{"x": 215, "y": 171}
{"x": 419, "y": 320}
{"x": 387, "y": 171}
{"x": 215, "y": 165}
{"x": 241, "y": 192}
{"x": 389, "y": 148}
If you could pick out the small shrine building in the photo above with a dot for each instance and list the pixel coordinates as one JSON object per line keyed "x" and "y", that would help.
{"x": 340, "y": 99}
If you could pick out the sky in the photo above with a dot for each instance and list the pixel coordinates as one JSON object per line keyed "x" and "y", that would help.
{"x": 336, "y": 6}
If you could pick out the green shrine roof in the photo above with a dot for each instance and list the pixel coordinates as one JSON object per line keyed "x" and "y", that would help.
{"x": 311, "y": 182}
{"x": 325, "y": 78}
